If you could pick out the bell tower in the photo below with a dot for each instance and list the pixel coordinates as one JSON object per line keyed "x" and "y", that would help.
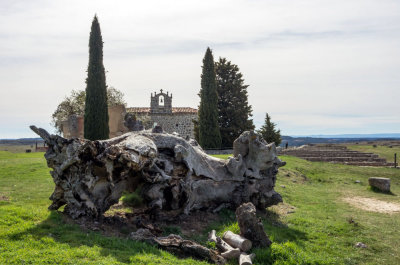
{"x": 161, "y": 102}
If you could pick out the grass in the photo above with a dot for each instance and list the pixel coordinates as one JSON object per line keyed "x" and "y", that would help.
{"x": 313, "y": 226}
{"x": 16, "y": 148}
{"x": 381, "y": 150}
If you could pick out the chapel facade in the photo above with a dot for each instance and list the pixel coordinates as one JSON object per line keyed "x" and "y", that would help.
{"x": 171, "y": 119}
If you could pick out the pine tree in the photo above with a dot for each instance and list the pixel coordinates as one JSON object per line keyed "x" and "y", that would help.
{"x": 234, "y": 111}
{"x": 209, "y": 135}
{"x": 96, "y": 110}
{"x": 269, "y": 133}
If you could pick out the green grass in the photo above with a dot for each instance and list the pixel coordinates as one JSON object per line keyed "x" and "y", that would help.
{"x": 16, "y": 148}
{"x": 30, "y": 234}
{"x": 382, "y": 151}
{"x": 317, "y": 229}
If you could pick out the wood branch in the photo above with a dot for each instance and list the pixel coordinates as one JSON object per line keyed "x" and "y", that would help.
{"x": 228, "y": 252}
{"x": 245, "y": 259}
{"x": 237, "y": 241}
{"x": 175, "y": 174}
{"x": 251, "y": 227}
{"x": 178, "y": 245}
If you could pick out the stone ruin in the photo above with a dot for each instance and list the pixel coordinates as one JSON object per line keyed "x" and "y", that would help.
{"x": 334, "y": 153}
{"x": 175, "y": 176}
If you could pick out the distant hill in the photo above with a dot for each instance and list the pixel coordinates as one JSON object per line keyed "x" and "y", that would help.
{"x": 21, "y": 141}
{"x": 354, "y": 136}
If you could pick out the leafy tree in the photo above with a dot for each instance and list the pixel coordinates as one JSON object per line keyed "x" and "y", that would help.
{"x": 75, "y": 105}
{"x": 209, "y": 135}
{"x": 269, "y": 133}
{"x": 234, "y": 111}
{"x": 96, "y": 110}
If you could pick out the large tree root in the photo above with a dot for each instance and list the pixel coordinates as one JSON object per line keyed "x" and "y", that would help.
{"x": 175, "y": 175}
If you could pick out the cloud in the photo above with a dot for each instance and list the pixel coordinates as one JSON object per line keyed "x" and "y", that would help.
{"x": 315, "y": 66}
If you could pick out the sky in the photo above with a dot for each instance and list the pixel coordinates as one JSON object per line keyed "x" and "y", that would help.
{"x": 315, "y": 66}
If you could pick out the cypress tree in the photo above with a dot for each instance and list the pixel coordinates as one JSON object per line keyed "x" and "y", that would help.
{"x": 234, "y": 111}
{"x": 209, "y": 135}
{"x": 96, "y": 109}
{"x": 269, "y": 133}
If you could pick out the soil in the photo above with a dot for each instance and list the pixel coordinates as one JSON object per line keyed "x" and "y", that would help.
{"x": 120, "y": 222}
{"x": 373, "y": 205}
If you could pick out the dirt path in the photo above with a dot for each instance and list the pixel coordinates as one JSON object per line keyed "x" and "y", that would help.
{"x": 373, "y": 205}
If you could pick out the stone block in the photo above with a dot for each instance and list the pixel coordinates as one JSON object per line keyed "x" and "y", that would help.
{"x": 383, "y": 184}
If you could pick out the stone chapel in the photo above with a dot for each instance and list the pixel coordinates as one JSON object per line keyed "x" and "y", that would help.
{"x": 160, "y": 112}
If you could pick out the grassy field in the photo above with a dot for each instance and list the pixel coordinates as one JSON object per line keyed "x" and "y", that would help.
{"x": 382, "y": 151}
{"x": 16, "y": 148}
{"x": 314, "y": 225}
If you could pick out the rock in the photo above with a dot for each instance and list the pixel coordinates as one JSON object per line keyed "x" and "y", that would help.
{"x": 360, "y": 245}
{"x": 383, "y": 184}
{"x": 175, "y": 175}
{"x": 357, "y": 181}
{"x": 157, "y": 129}
{"x": 283, "y": 186}
{"x": 250, "y": 226}
{"x": 132, "y": 123}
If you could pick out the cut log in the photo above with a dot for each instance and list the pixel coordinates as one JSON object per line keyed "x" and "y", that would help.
{"x": 228, "y": 252}
{"x": 237, "y": 241}
{"x": 179, "y": 246}
{"x": 251, "y": 227}
{"x": 245, "y": 259}
{"x": 175, "y": 175}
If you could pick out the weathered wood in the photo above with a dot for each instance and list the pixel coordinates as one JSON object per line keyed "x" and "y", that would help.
{"x": 245, "y": 259}
{"x": 250, "y": 226}
{"x": 175, "y": 175}
{"x": 228, "y": 252}
{"x": 178, "y": 245}
{"x": 237, "y": 241}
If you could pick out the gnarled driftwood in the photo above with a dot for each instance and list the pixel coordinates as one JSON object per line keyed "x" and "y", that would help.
{"x": 175, "y": 174}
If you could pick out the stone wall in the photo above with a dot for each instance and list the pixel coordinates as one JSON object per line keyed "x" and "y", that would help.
{"x": 74, "y": 126}
{"x": 116, "y": 116}
{"x": 181, "y": 123}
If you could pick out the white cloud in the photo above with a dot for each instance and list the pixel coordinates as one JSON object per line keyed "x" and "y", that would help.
{"x": 315, "y": 66}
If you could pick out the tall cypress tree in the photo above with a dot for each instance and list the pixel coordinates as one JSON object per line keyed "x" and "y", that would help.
{"x": 96, "y": 109}
{"x": 209, "y": 135}
{"x": 269, "y": 133}
{"x": 234, "y": 111}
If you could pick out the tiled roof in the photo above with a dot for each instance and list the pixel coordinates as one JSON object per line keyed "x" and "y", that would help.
{"x": 183, "y": 110}
{"x": 138, "y": 110}
{"x": 174, "y": 110}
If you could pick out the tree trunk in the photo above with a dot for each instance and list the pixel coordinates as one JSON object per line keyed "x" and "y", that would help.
{"x": 251, "y": 227}
{"x": 175, "y": 175}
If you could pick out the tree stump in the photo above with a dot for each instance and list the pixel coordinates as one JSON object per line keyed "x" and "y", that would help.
{"x": 251, "y": 227}
{"x": 175, "y": 175}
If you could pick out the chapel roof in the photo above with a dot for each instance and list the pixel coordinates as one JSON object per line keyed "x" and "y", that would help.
{"x": 145, "y": 110}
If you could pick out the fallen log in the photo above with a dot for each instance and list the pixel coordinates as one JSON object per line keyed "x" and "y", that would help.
{"x": 179, "y": 246}
{"x": 175, "y": 175}
{"x": 228, "y": 252}
{"x": 237, "y": 241}
{"x": 245, "y": 259}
